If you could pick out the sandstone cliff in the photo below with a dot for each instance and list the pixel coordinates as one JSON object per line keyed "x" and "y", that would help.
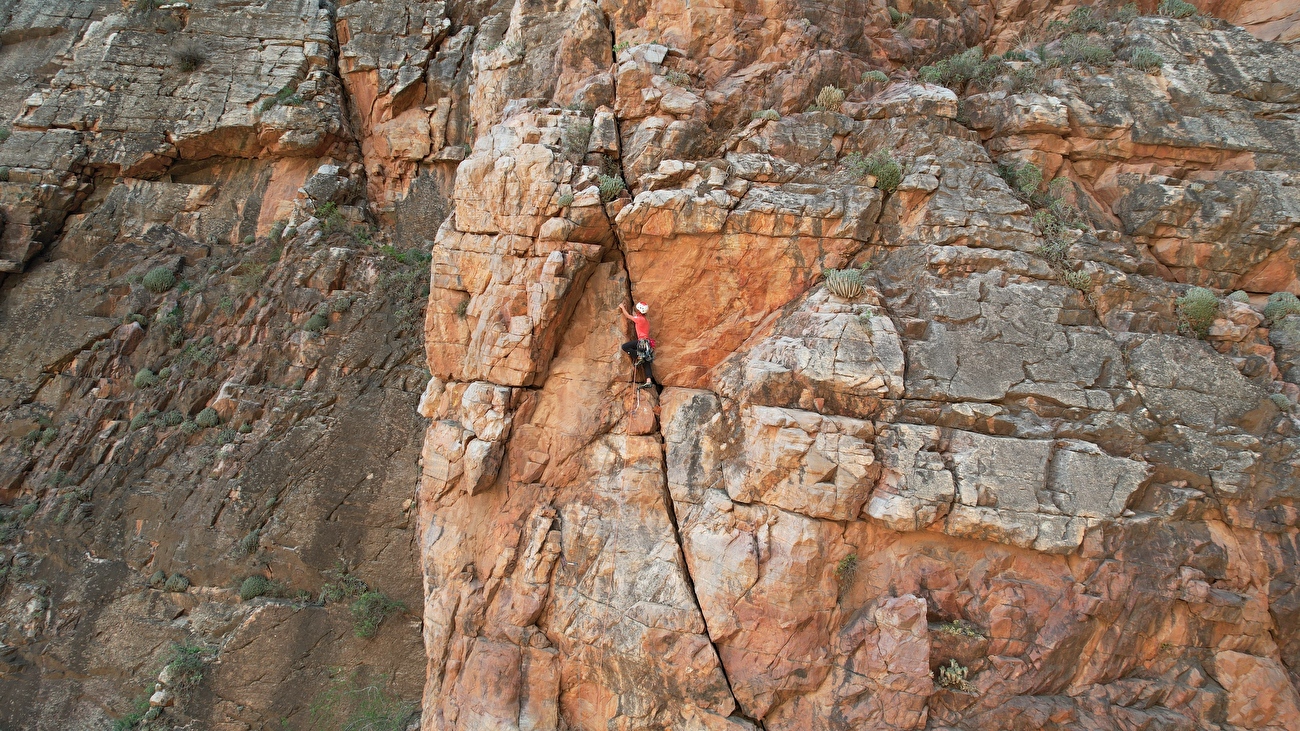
{"x": 977, "y": 330}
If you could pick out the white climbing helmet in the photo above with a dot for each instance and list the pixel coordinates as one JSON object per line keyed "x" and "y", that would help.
{"x": 642, "y": 307}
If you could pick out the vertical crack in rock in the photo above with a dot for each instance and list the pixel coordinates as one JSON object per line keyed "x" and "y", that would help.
{"x": 669, "y": 508}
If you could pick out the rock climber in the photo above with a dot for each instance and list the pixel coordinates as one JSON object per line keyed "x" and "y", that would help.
{"x": 641, "y": 350}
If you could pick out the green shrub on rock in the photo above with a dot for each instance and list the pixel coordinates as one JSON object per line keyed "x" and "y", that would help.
{"x": 145, "y": 378}
{"x": 1198, "y": 308}
{"x": 1146, "y": 60}
{"x": 207, "y": 418}
{"x": 1176, "y": 9}
{"x": 176, "y": 583}
{"x": 159, "y": 280}
{"x": 255, "y": 586}
{"x": 370, "y": 610}
{"x": 1281, "y": 304}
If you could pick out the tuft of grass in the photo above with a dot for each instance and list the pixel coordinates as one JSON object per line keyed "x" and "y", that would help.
{"x": 159, "y": 280}
{"x": 767, "y": 115}
{"x": 4, "y": 134}
{"x": 575, "y": 138}
{"x": 145, "y": 378}
{"x": 565, "y": 200}
{"x": 287, "y": 96}
{"x": 172, "y": 418}
{"x": 331, "y": 219}
{"x": 1197, "y": 309}
{"x": 248, "y": 544}
{"x": 956, "y": 71}
{"x": 1081, "y": 48}
{"x": 880, "y": 164}
{"x": 610, "y": 186}
{"x": 1176, "y": 9}
{"x": 845, "y": 569}
{"x": 1146, "y": 60}
{"x": 875, "y": 76}
{"x": 1026, "y": 179}
{"x": 176, "y": 583}
{"x": 462, "y": 309}
{"x": 1127, "y": 14}
{"x": 897, "y": 17}
{"x": 829, "y": 99}
{"x": 370, "y": 610}
{"x": 189, "y": 55}
{"x": 186, "y": 664}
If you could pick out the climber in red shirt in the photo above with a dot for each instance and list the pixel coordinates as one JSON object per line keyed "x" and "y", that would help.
{"x": 641, "y": 350}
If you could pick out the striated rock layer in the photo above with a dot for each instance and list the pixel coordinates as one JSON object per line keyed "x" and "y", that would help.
{"x": 978, "y": 375}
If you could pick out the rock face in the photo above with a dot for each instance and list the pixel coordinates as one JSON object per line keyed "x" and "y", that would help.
{"x": 312, "y": 403}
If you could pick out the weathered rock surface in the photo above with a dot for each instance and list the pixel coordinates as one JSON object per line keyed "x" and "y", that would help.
{"x": 1010, "y": 472}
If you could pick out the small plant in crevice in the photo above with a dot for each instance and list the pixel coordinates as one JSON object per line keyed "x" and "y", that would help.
{"x": 565, "y": 200}
{"x": 953, "y": 675}
{"x": 207, "y": 418}
{"x": 1197, "y": 310}
{"x": 610, "y": 186}
{"x": 575, "y": 137}
{"x": 1024, "y": 179}
{"x": 767, "y": 115}
{"x": 247, "y": 545}
{"x": 370, "y": 610}
{"x": 829, "y": 99}
{"x": 331, "y": 219}
{"x": 875, "y": 76}
{"x": 258, "y": 585}
{"x": 462, "y": 309}
{"x": 132, "y": 720}
{"x": 968, "y": 67}
{"x": 880, "y": 164}
{"x": 185, "y": 666}
{"x": 189, "y": 55}
{"x": 678, "y": 78}
{"x": 286, "y": 96}
{"x": 845, "y": 569}
{"x": 145, "y": 378}
{"x": 1281, "y": 401}
{"x": 159, "y": 280}
{"x": 898, "y": 17}
{"x": 1146, "y": 59}
{"x": 316, "y": 324}
{"x": 1279, "y": 305}
{"x": 1176, "y": 9}
{"x": 959, "y": 628}
{"x": 406, "y": 282}
{"x": 1079, "y": 280}
{"x": 342, "y": 585}
{"x": 621, "y": 46}
{"x": 847, "y": 284}
{"x": 4, "y": 134}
